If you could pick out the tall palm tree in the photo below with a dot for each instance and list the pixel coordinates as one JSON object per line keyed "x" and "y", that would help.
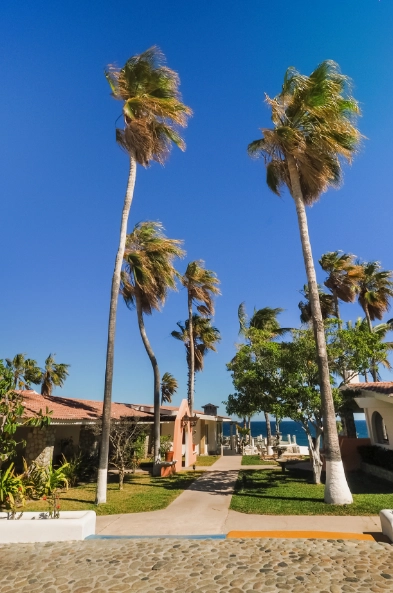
{"x": 25, "y": 371}
{"x": 326, "y": 302}
{"x": 264, "y": 319}
{"x": 205, "y": 337}
{"x": 202, "y": 286}
{"x": 152, "y": 112}
{"x": 169, "y": 387}
{"x": 375, "y": 288}
{"x": 52, "y": 375}
{"x": 147, "y": 276}
{"x": 343, "y": 277}
{"x": 313, "y": 132}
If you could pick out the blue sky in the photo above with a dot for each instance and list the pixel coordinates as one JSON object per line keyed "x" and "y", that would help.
{"x": 62, "y": 177}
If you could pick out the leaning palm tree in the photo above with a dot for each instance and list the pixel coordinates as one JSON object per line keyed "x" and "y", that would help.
{"x": 152, "y": 112}
{"x": 169, "y": 387}
{"x": 147, "y": 276}
{"x": 264, "y": 319}
{"x": 343, "y": 277}
{"x": 25, "y": 371}
{"x": 202, "y": 286}
{"x": 326, "y": 302}
{"x": 205, "y": 337}
{"x": 52, "y": 375}
{"x": 313, "y": 132}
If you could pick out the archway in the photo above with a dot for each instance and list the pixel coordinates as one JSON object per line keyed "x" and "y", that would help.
{"x": 379, "y": 429}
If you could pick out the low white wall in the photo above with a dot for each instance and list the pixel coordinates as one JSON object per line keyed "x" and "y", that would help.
{"x": 34, "y": 527}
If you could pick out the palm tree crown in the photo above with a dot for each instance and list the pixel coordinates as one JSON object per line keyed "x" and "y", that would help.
{"x": 152, "y": 106}
{"x": 375, "y": 289}
{"x": 202, "y": 286}
{"x": 343, "y": 276}
{"x": 149, "y": 269}
{"x": 53, "y": 375}
{"x": 205, "y": 338}
{"x": 264, "y": 319}
{"x": 169, "y": 387}
{"x": 313, "y": 119}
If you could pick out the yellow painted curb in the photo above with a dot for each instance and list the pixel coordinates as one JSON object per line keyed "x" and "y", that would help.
{"x": 300, "y": 534}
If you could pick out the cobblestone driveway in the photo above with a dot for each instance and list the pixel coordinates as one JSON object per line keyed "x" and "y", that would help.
{"x": 206, "y": 566}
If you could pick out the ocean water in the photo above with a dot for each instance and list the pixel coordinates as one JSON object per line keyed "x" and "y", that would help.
{"x": 292, "y": 428}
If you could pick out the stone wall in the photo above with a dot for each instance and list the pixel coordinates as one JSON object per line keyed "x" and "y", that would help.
{"x": 39, "y": 445}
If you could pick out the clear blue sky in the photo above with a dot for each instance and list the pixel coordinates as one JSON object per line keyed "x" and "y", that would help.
{"x": 62, "y": 177}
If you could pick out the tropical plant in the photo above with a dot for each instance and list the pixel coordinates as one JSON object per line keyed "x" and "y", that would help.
{"x": 147, "y": 276}
{"x": 52, "y": 375}
{"x": 202, "y": 286}
{"x": 205, "y": 337}
{"x": 152, "y": 113}
{"x": 165, "y": 443}
{"x": 73, "y": 468}
{"x": 12, "y": 491}
{"x": 326, "y": 303}
{"x": 25, "y": 371}
{"x": 343, "y": 277}
{"x": 313, "y": 132}
{"x": 169, "y": 387}
{"x": 54, "y": 478}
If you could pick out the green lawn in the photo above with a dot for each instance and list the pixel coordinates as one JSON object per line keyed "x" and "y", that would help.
{"x": 206, "y": 460}
{"x": 292, "y": 493}
{"x": 256, "y": 460}
{"x": 141, "y": 493}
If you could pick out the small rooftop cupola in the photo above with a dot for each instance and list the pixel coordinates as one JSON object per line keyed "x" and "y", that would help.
{"x": 210, "y": 409}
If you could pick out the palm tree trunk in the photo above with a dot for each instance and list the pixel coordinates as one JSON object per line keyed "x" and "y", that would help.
{"x": 157, "y": 378}
{"x": 110, "y": 350}
{"x": 268, "y": 430}
{"x": 336, "y": 489}
{"x": 191, "y": 382}
{"x": 373, "y": 369}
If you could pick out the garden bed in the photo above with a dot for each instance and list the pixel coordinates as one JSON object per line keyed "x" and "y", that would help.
{"x": 270, "y": 492}
{"x": 38, "y": 527}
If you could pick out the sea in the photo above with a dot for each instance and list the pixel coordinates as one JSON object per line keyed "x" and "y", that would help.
{"x": 292, "y": 428}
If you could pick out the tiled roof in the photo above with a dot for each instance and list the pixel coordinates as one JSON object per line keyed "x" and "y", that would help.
{"x": 384, "y": 387}
{"x": 67, "y": 408}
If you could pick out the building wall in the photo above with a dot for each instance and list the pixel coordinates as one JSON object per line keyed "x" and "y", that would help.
{"x": 386, "y": 411}
{"x": 40, "y": 445}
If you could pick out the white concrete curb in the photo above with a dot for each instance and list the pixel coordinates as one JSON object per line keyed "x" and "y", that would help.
{"x": 37, "y": 527}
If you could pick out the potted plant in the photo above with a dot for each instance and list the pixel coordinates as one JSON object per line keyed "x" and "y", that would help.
{"x": 165, "y": 447}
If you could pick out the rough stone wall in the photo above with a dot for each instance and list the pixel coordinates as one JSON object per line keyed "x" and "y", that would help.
{"x": 39, "y": 445}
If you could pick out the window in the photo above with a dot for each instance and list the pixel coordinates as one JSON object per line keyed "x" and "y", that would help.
{"x": 379, "y": 429}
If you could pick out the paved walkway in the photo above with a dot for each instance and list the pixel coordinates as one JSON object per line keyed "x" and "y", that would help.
{"x": 191, "y": 566}
{"x": 203, "y": 509}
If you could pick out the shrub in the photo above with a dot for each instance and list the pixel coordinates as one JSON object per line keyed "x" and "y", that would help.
{"x": 165, "y": 444}
{"x": 375, "y": 455}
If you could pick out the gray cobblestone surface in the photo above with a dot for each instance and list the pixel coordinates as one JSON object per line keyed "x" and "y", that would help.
{"x": 206, "y": 566}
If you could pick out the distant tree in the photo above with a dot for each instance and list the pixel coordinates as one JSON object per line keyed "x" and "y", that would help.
{"x": 313, "y": 132}
{"x": 147, "y": 277}
{"x": 169, "y": 387}
{"x": 52, "y": 375}
{"x": 25, "y": 371}
{"x": 201, "y": 286}
{"x": 153, "y": 112}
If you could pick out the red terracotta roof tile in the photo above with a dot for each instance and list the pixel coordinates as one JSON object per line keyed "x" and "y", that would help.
{"x": 384, "y": 387}
{"x": 67, "y": 408}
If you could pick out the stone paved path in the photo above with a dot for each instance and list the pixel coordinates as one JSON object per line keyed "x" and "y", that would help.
{"x": 191, "y": 566}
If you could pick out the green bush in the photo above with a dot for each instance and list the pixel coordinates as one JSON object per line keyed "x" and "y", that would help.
{"x": 375, "y": 455}
{"x": 12, "y": 492}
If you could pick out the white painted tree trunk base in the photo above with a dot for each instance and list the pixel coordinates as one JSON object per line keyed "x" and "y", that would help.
{"x": 336, "y": 489}
{"x": 101, "y": 486}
